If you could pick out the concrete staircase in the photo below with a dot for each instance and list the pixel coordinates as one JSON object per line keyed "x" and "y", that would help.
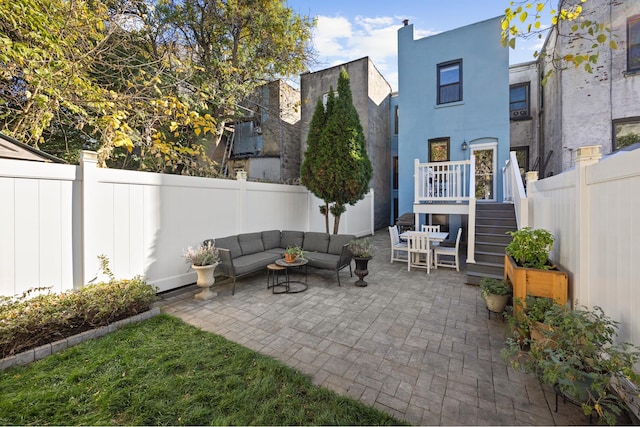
{"x": 493, "y": 220}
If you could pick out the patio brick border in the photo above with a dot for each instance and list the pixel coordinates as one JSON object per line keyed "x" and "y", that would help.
{"x": 43, "y": 351}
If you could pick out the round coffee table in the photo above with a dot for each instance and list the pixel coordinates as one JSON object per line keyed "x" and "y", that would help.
{"x": 292, "y": 286}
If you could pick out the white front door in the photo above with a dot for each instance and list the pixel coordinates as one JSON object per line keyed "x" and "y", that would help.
{"x": 486, "y": 167}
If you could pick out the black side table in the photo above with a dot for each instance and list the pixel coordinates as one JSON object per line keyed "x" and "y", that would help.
{"x": 298, "y": 285}
{"x": 274, "y": 271}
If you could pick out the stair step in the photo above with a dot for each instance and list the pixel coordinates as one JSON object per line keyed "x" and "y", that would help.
{"x": 498, "y": 239}
{"x": 505, "y": 222}
{"x": 491, "y": 213}
{"x": 493, "y": 229}
{"x": 493, "y": 247}
{"x": 474, "y": 278}
{"x": 496, "y": 206}
{"x": 486, "y": 270}
{"x": 492, "y": 257}
{"x": 487, "y": 265}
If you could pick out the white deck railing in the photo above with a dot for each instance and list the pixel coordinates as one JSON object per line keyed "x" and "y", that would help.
{"x": 442, "y": 181}
{"x": 513, "y": 190}
{"x": 452, "y": 183}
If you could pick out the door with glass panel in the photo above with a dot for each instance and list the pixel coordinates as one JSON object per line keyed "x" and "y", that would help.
{"x": 486, "y": 166}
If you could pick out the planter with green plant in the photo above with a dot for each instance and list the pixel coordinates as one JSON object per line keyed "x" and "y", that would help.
{"x": 362, "y": 251}
{"x": 496, "y": 294}
{"x": 579, "y": 358}
{"x": 529, "y": 270}
{"x": 527, "y": 323}
{"x": 204, "y": 259}
{"x": 292, "y": 253}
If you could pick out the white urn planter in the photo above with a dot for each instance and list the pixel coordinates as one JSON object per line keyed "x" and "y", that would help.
{"x": 496, "y": 303}
{"x": 206, "y": 279}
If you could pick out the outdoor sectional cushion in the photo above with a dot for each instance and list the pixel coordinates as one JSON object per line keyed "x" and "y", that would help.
{"x": 322, "y": 260}
{"x": 291, "y": 238}
{"x": 315, "y": 242}
{"x": 231, "y": 243}
{"x": 250, "y": 243}
{"x": 338, "y": 241}
{"x": 255, "y": 262}
{"x": 277, "y": 251}
{"x": 271, "y": 239}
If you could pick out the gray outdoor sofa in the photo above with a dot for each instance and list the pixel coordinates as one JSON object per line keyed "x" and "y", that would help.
{"x": 248, "y": 253}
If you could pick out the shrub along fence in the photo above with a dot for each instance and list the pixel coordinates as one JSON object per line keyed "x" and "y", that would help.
{"x": 55, "y": 220}
{"x": 592, "y": 210}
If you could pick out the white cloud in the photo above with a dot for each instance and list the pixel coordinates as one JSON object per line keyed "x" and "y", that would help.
{"x": 337, "y": 40}
{"x": 420, "y": 34}
{"x": 330, "y": 35}
{"x": 370, "y": 24}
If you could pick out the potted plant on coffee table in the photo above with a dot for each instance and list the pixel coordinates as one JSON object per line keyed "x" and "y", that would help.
{"x": 362, "y": 251}
{"x": 204, "y": 259}
{"x": 529, "y": 270}
{"x": 496, "y": 294}
{"x": 580, "y": 358}
{"x": 292, "y": 253}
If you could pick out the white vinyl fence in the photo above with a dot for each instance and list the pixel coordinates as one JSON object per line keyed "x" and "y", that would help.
{"x": 55, "y": 220}
{"x": 593, "y": 211}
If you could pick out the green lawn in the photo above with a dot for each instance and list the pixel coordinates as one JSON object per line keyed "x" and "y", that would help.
{"x": 165, "y": 372}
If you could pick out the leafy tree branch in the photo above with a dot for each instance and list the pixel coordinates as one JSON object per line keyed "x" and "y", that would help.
{"x": 573, "y": 23}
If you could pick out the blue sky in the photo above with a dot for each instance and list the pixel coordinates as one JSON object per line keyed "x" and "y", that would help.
{"x": 351, "y": 29}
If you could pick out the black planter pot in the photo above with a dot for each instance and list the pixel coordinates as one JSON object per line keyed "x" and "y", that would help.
{"x": 361, "y": 270}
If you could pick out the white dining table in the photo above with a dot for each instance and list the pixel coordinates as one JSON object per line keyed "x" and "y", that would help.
{"x": 435, "y": 236}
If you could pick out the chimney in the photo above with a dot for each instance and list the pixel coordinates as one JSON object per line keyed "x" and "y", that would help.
{"x": 405, "y": 22}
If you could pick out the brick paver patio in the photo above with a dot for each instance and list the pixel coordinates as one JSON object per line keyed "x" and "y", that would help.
{"x": 420, "y": 347}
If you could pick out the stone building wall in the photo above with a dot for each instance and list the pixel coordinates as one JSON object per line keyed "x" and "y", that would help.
{"x": 371, "y": 94}
{"x": 525, "y": 131}
{"x": 589, "y": 103}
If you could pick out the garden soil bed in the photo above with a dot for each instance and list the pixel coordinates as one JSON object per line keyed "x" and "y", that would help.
{"x": 45, "y": 350}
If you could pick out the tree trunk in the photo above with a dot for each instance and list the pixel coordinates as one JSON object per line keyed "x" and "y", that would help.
{"x": 326, "y": 216}
{"x": 324, "y": 210}
{"x": 219, "y": 131}
{"x": 336, "y": 224}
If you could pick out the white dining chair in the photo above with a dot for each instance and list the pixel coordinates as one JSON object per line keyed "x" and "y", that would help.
{"x": 431, "y": 229}
{"x": 448, "y": 252}
{"x": 420, "y": 254}
{"x": 397, "y": 246}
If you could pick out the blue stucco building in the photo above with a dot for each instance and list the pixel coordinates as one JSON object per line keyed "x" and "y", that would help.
{"x": 453, "y": 102}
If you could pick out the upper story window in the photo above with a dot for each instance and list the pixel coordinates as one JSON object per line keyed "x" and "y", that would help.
{"x": 395, "y": 121}
{"x": 325, "y": 98}
{"x": 541, "y": 91}
{"x": 522, "y": 154}
{"x": 519, "y": 101}
{"x": 395, "y": 172}
{"x": 450, "y": 82}
{"x": 626, "y": 132}
{"x": 633, "y": 43}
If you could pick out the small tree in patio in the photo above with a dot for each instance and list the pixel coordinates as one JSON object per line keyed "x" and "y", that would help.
{"x": 337, "y": 165}
{"x": 313, "y": 159}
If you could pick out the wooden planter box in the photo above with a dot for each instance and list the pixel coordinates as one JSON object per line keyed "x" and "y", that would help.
{"x": 538, "y": 283}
